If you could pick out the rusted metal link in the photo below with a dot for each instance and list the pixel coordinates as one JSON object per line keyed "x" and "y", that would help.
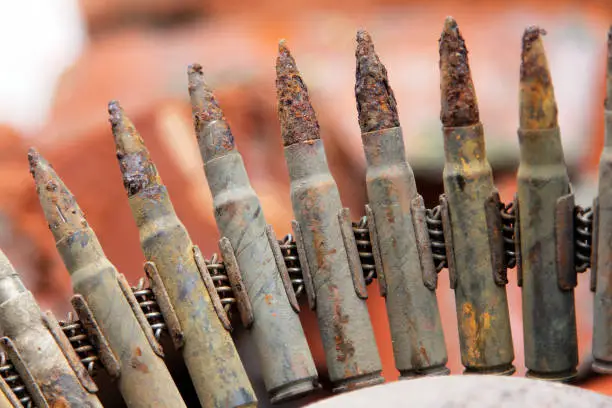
{"x": 364, "y": 246}
{"x": 14, "y": 381}
{"x": 80, "y": 342}
{"x": 583, "y": 234}
{"x": 508, "y": 217}
{"x": 436, "y": 236}
{"x": 146, "y": 299}
{"x": 290, "y": 255}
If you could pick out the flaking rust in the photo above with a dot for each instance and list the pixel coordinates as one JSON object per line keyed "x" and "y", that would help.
{"x": 337, "y": 289}
{"x": 142, "y": 376}
{"x": 405, "y": 256}
{"x": 285, "y": 361}
{"x": 602, "y": 243}
{"x": 35, "y": 351}
{"x": 546, "y": 216}
{"x": 480, "y": 294}
{"x": 209, "y": 353}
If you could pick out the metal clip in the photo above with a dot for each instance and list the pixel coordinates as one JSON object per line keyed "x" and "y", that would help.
{"x": 382, "y": 282}
{"x": 492, "y": 209}
{"x": 142, "y": 320}
{"x": 301, "y": 250}
{"x": 567, "y": 277}
{"x": 517, "y": 242}
{"x": 9, "y": 394}
{"x": 26, "y": 376}
{"x": 282, "y": 268}
{"x": 210, "y": 287}
{"x": 71, "y": 355}
{"x": 448, "y": 241}
{"x": 165, "y": 305}
{"x": 105, "y": 353}
{"x": 348, "y": 238}
{"x": 419, "y": 222}
{"x": 245, "y": 310}
{"x": 594, "y": 244}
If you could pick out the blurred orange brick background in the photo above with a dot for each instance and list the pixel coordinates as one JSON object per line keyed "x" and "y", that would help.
{"x": 137, "y": 51}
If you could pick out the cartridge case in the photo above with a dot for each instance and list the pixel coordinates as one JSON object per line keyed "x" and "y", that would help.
{"x": 21, "y": 321}
{"x": 549, "y": 316}
{"x": 144, "y": 380}
{"x": 5, "y": 402}
{"x": 286, "y": 364}
{"x": 345, "y": 327}
{"x": 412, "y": 308}
{"x": 209, "y": 353}
{"x": 481, "y": 302}
{"x": 602, "y": 264}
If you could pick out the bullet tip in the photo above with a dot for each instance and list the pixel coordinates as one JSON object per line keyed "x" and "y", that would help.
{"x": 115, "y": 112}
{"x": 450, "y": 26}
{"x": 531, "y": 35}
{"x": 194, "y": 68}
{"x": 459, "y": 106}
{"x": 376, "y": 105}
{"x": 296, "y": 115}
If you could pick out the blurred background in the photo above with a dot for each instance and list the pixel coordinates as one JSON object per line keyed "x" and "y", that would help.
{"x": 62, "y": 61}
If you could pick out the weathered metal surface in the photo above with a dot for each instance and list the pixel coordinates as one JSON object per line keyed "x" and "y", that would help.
{"x": 285, "y": 361}
{"x": 548, "y": 277}
{"x": 24, "y": 373}
{"x": 482, "y": 305}
{"x": 104, "y": 302}
{"x": 209, "y": 353}
{"x": 412, "y": 307}
{"x": 601, "y": 271}
{"x": 546, "y": 224}
{"x": 21, "y": 321}
{"x": 8, "y": 399}
{"x": 344, "y": 323}
{"x": 69, "y": 351}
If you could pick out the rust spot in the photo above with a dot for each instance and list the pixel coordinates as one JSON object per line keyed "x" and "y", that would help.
{"x": 344, "y": 347}
{"x": 268, "y": 298}
{"x": 136, "y": 363}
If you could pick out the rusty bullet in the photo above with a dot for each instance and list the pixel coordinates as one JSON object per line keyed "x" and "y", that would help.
{"x": 546, "y": 214}
{"x": 328, "y": 255}
{"x": 174, "y": 263}
{"x": 602, "y": 243}
{"x": 44, "y": 363}
{"x": 286, "y": 364}
{"x": 470, "y": 200}
{"x": 393, "y": 212}
{"x": 141, "y": 374}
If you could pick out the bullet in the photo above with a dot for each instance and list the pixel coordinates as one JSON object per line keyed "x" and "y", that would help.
{"x": 602, "y": 241}
{"x": 326, "y": 246}
{"x": 42, "y": 362}
{"x": 176, "y": 267}
{"x": 285, "y": 361}
{"x": 546, "y": 211}
{"x": 142, "y": 377}
{"x": 470, "y": 211}
{"x": 396, "y": 219}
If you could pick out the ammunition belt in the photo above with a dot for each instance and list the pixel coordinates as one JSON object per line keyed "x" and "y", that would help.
{"x": 583, "y": 224}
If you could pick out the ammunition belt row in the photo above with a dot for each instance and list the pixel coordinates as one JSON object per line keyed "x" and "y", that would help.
{"x": 72, "y": 327}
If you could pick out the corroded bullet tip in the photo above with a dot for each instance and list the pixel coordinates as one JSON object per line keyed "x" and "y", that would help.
{"x": 459, "y": 106}
{"x": 136, "y": 167}
{"x": 609, "y": 72}
{"x": 205, "y": 110}
{"x": 296, "y": 115}
{"x": 538, "y": 108}
{"x": 376, "y": 105}
{"x": 61, "y": 210}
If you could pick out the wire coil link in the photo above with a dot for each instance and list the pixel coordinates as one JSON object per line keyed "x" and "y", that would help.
{"x": 13, "y": 380}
